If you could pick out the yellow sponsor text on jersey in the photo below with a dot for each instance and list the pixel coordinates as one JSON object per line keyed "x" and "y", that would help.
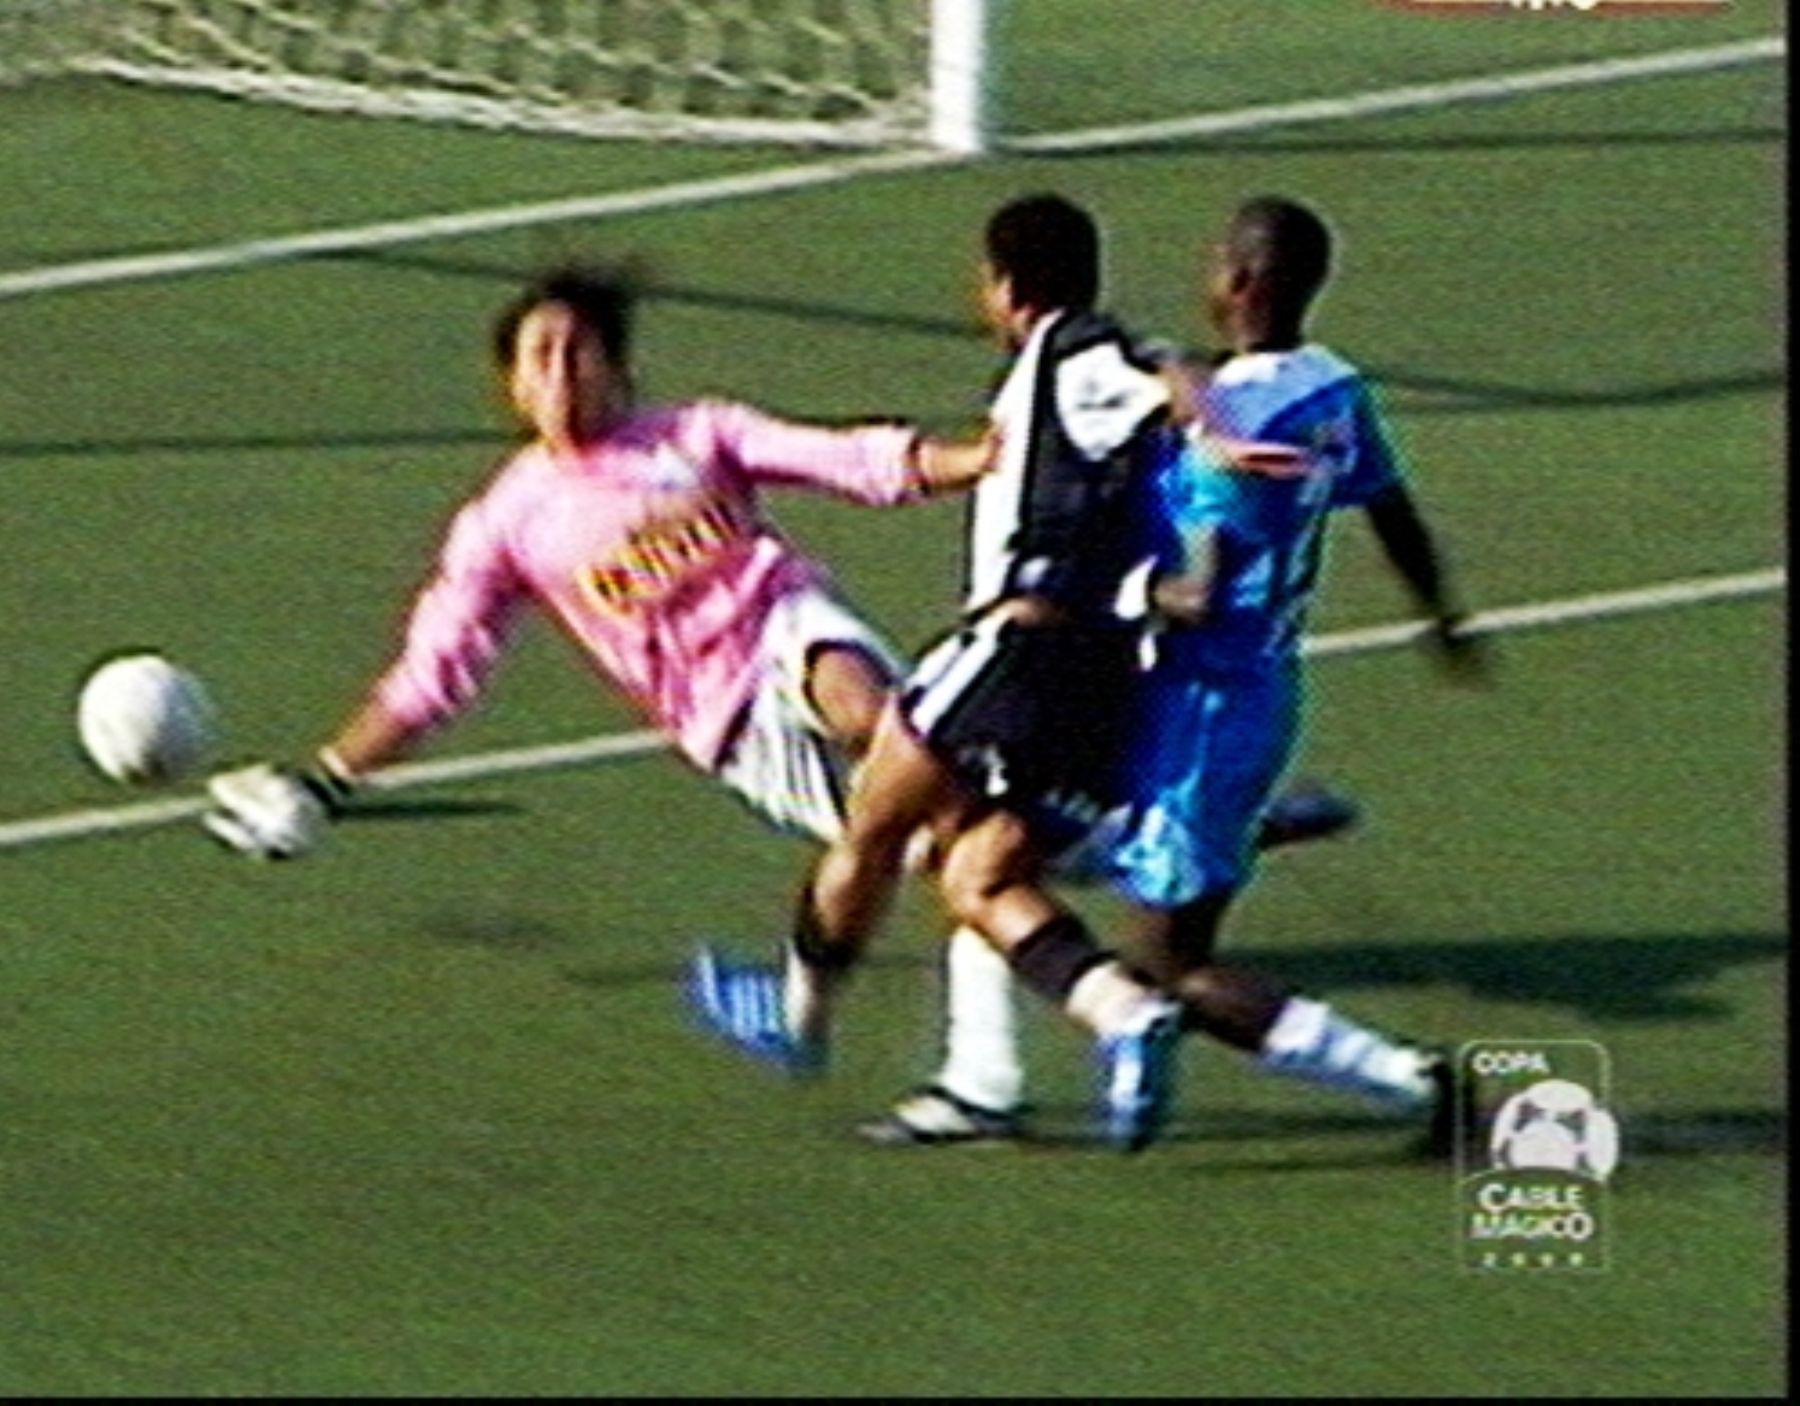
{"x": 656, "y": 557}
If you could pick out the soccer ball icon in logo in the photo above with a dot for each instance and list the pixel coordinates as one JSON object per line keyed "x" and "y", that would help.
{"x": 1555, "y": 1125}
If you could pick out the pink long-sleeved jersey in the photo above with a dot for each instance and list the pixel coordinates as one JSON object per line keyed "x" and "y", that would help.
{"x": 649, "y": 549}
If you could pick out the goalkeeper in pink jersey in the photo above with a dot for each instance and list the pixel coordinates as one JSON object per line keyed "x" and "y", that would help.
{"x": 638, "y": 530}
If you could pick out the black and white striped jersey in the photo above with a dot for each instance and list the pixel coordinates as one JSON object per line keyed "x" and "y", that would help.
{"x": 1078, "y": 418}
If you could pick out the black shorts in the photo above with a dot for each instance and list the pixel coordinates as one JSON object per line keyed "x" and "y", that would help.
{"x": 1032, "y": 719}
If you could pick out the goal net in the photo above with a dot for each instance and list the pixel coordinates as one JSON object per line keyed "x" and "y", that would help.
{"x": 836, "y": 72}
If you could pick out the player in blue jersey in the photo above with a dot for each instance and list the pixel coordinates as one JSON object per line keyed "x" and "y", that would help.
{"x": 1232, "y": 562}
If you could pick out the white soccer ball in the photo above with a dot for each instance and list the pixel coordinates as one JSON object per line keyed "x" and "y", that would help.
{"x": 142, "y": 719}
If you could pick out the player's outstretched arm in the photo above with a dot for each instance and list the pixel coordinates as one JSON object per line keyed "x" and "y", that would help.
{"x": 878, "y": 464}
{"x": 457, "y": 630}
{"x": 1412, "y": 552}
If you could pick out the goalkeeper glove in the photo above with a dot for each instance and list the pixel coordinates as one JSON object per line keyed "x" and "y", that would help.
{"x": 275, "y": 812}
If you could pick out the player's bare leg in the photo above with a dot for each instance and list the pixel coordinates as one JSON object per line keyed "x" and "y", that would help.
{"x": 977, "y": 1093}
{"x": 848, "y": 688}
{"x": 898, "y": 790}
{"x": 992, "y": 881}
{"x": 1286, "y": 1032}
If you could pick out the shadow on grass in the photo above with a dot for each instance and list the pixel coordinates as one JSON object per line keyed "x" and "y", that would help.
{"x": 1351, "y": 1139}
{"x": 466, "y": 929}
{"x": 1613, "y": 977}
{"x": 1415, "y": 395}
{"x": 1420, "y": 392}
{"x": 1609, "y": 978}
{"x": 387, "y": 812}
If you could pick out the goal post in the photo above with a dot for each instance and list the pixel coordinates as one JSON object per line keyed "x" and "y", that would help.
{"x": 960, "y": 79}
{"x": 819, "y": 72}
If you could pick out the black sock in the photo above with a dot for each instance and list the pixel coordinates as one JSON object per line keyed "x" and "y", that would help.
{"x": 1056, "y": 956}
{"x": 810, "y": 944}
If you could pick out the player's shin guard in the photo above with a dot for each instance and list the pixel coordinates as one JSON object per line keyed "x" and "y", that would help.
{"x": 1312, "y": 1042}
{"x": 981, "y": 1057}
{"x": 1064, "y": 965}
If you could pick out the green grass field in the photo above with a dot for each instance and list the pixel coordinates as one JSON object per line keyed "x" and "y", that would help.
{"x": 421, "y": 1115}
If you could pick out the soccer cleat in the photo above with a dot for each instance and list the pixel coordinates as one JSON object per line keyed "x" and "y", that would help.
{"x": 743, "y": 1003}
{"x": 1305, "y": 811}
{"x": 1453, "y": 1110}
{"x": 935, "y": 1117}
{"x": 1137, "y": 1072}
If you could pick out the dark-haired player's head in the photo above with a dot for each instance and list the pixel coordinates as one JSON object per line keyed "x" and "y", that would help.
{"x": 1268, "y": 269}
{"x": 563, "y": 347}
{"x": 1042, "y": 256}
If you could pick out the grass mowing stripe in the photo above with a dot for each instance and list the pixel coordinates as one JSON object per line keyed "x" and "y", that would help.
{"x": 779, "y": 179}
{"x": 388, "y": 233}
{"x": 1669, "y": 595}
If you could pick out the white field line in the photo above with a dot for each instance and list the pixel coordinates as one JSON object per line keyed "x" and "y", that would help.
{"x": 807, "y": 175}
{"x": 1424, "y": 95}
{"x": 1571, "y": 610}
{"x": 1568, "y": 611}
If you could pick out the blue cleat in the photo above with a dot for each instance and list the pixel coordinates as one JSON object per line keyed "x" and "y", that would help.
{"x": 742, "y": 1003}
{"x": 1137, "y": 1072}
{"x": 1305, "y": 811}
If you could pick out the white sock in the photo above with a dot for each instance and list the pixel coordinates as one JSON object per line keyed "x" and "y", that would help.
{"x": 807, "y": 998}
{"x": 981, "y": 1039}
{"x": 1312, "y": 1042}
{"x": 1110, "y": 1001}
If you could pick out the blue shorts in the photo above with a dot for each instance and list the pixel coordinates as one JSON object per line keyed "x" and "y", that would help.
{"x": 1206, "y": 757}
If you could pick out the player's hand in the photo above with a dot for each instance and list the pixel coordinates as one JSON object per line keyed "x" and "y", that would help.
{"x": 1031, "y": 612}
{"x": 273, "y": 812}
{"x": 948, "y": 466}
{"x": 1464, "y": 657}
{"x": 1180, "y": 599}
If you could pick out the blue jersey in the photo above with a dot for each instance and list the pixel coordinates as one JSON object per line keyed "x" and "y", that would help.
{"x": 1219, "y": 710}
{"x": 1268, "y": 532}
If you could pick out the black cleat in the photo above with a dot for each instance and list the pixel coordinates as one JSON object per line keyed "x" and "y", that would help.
{"x": 935, "y": 1117}
{"x": 1453, "y": 1111}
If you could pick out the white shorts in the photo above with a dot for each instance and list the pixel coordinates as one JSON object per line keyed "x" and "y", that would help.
{"x": 783, "y": 762}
